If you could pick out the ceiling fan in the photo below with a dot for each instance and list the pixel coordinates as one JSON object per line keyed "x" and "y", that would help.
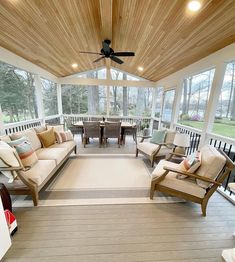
{"x": 108, "y": 52}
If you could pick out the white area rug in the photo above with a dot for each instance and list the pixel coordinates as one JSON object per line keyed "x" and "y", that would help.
{"x": 99, "y": 179}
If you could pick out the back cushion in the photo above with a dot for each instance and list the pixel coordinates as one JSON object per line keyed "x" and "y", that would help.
{"x": 5, "y": 138}
{"x": 170, "y": 135}
{"x": 32, "y": 137}
{"x": 40, "y": 129}
{"x": 212, "y": 162}
{"x": 57, "y": 128}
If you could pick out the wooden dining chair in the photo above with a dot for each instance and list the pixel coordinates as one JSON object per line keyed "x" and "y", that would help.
{"x": 112, "y": 130}
{"x": 91, "y": 130}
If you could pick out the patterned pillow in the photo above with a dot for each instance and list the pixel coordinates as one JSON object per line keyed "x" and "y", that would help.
{"x": 190, "y": 164}
{"x": 62, "y": 137}
{"x": 26, "y": 153}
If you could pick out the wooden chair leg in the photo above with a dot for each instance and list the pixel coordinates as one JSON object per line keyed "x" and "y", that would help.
{"x": 84, "y": 142}
{"x": 35, "y": 197}
{"x": 204, "y": 206}
{"x": 152, "y": 189}
{"x": 136, "y": 152}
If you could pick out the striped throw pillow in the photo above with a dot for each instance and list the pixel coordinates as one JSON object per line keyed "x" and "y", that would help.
{"x": 62, "y": 137}
{"x": 25, "y": 151}
{"x": 192, "y": 162}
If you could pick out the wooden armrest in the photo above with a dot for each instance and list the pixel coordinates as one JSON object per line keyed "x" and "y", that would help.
{"x": 11, "y": 168}
{"x": 203, "y": 178}
{"x": 177, "y": 154}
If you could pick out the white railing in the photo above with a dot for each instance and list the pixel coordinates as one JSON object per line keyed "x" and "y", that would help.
{"x": 22, "y": 125}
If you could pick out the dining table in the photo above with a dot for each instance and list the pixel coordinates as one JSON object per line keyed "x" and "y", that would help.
{"x": 124, "y": 126}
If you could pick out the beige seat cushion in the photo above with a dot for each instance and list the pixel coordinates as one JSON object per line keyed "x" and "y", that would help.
{"x": 69, "y": 145}
{"x": 56, "y": 154}
{"x": 212, "y": 163}
{"x": 187, "y": 185}
{"x": 150, "y": 148}
{"x": 39, "y": 172}
{"x": 31, "y": 135}
{"x": 147, "y": 147}
{"x": 231, "y": 186}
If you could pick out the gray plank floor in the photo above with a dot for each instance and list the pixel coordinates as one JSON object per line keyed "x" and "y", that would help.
{"x": 113, "y": 233}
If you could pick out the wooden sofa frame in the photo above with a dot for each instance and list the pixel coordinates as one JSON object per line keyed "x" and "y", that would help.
{"x": 228, "y": 167}
{"x": 24, "y": 186}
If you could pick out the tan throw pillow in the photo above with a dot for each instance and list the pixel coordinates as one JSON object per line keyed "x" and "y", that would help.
{"x": 62, "y": 137}
{"x": 47, "y": 138}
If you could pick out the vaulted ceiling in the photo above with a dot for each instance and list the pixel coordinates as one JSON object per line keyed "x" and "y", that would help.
{"x": 163, "y": 34}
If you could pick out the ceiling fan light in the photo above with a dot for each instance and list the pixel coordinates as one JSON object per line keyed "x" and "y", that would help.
{"x": 140, "y": 68}
{"x": 74, "y": 65}
{"x": 194, "y": 5}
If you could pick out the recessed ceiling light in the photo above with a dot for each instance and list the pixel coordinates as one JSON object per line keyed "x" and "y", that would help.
{"x": 140, "y": 68}
{"x": 194, "y": 5}
{"x": 74, "y": 65}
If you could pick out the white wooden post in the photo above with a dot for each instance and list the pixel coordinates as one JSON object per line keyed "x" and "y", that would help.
{"x": 39, "y": 98}
{"x": 154, "y": 90}
{"x": 59, "y": 102}
{"x": 216, "y": 86}
{"x": 109, "y": 77}
{"x": 2, "y": 129}
{"x": 176, "y": 105}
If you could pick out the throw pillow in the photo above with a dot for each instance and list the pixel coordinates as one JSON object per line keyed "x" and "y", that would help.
{"x": 26, "y": 153}
{"x": 158, "y": 136}
{"x": 47, "y": 138}
{"x": 190, "y": 164}
{"x": 17, "y": 141}
{"x": 32, "y": 137}
{"x": 62, "y": 137}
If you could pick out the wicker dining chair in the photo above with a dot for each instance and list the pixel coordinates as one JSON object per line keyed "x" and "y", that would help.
{"x": 91, "y": 130}
{"x": 74, "y": 129}
{"x": 112, "y": 130}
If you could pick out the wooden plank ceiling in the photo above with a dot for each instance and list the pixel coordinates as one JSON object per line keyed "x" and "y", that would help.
{"x": 162, "y": 33}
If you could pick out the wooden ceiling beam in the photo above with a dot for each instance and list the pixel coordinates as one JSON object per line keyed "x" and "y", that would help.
{"x": 106, "y": 9}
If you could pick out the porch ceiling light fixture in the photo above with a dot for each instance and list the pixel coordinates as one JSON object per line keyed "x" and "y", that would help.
{"x": 194, "y": 5}
{"x": 74, "y": 65}
{"x": 140, "y": 68}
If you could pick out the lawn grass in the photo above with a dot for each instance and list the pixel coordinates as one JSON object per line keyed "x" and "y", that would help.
{"x": 224, "y": 129}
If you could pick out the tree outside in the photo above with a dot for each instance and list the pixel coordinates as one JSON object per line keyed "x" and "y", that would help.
{"x": 17, "y": 94}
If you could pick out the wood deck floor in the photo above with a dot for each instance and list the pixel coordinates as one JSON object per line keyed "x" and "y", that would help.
{"x": 114, "y": 233}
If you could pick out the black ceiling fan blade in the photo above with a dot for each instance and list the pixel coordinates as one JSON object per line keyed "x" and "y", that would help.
{"x": 98, "y": 59}
{"x": 124, "y": 53}
{"x": 106, "y": 47}
{"x": 84, "y": 52}
{"x": 116, "y": 59}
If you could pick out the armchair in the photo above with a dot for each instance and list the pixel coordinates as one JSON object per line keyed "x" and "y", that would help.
{"x": 154, "y": 151}
{"x": 197, "y": 187}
